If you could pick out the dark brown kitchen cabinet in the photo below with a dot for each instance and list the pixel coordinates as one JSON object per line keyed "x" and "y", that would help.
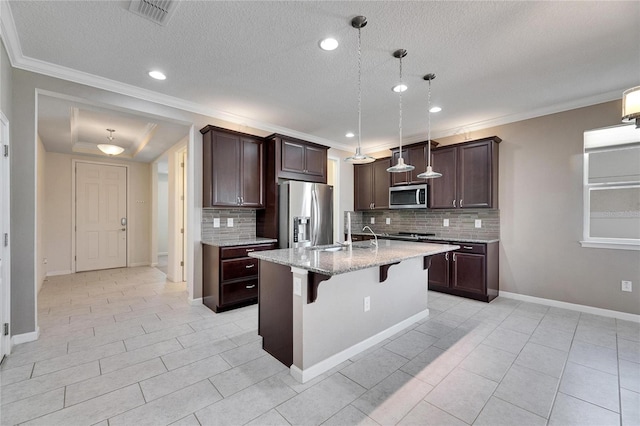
{"x": 229, "y": 277}
{"x": 232, "y": 169}
{"x": 415, "y": 155}
{"x": 300, "y": 160}
{"x": 469, "y": 175}
{"x": 471, "y": 271}
{"x": 371, "y": 185}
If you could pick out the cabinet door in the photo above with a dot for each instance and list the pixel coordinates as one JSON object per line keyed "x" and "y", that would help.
{"x": 418, "y": 158}
{"x": 399, "y": 179}
{"x": 474, "y": 171}
{"x": 315, "y": 161}
{"x": 293, "y": 157}
{"x": 469, "y": 273}
{"x": 252, "y": 172}
{"x": 442, "y": 190}
{"x": 225, "y": 174}
{"x": 362, "y": 186}
{"x": 439, "y": 270}
{"x": 381, "y": 180}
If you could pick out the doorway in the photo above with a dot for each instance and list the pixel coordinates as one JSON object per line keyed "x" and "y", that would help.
{"x": 100, "y": 216}
{"x": 5, "y": 249}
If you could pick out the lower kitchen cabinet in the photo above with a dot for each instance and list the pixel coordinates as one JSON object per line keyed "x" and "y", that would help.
{"x": 230, "y": 278}
{"x": 471, "y": 271}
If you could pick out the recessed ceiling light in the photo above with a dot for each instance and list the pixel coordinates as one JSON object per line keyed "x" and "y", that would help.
{"x": 329, "y": 44}
{"x": 399, "y": 88}
{"x": 350, "y": 134}
{"x": 435, "y": 109}
{"x": 157, "y": 75}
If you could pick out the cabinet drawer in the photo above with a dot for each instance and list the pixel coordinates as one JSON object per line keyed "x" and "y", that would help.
{"x": 242, "y": 251}
{"x": 239, "y": 291}
{"x": 471, "y": 248}
{"x": 239, "y": 268}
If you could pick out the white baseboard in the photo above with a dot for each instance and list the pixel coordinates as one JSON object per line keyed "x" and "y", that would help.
{"x": 55, "y": 273}
{"x": 136, "y": 264}
{"x": 337, "y": 359}
{"x": 25, "y": 337}
{"x": 195, "y": 302}
{"x": 571, "y": 306}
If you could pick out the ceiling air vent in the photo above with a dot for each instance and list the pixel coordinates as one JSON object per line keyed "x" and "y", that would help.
{"x": 158, "y": 11}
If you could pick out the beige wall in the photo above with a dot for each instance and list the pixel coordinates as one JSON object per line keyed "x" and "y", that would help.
{"x": 58, "y": 207}
{"x": 345, "y": 186}
{"x": 540, "y": 190}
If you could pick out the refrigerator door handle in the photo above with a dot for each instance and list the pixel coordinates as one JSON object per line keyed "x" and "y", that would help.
{"x": 315, "y": 223}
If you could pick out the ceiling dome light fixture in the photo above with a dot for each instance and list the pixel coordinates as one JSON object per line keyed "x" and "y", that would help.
{"x": 108, "y": 148}
{"x": 359, "y": 22}
{"x": 399, "y": 88}
{"x": 329, "y": 44}
{"x": 158, "y": 75}
{"x": 401, "y": 166}
{"x": 631, "y": 105}
{"x": 435, "y": 108}
{"x": 429, "y": 174}
{"x": 350, "y": 134}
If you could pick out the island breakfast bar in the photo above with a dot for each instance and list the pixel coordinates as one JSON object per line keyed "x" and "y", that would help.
{"x": 320, "y": 306}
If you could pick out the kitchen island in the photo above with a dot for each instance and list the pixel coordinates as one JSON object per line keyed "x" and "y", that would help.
{"x": 320, "y": 306}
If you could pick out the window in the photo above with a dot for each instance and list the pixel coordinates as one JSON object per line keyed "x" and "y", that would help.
{"x": 612, "y": 188}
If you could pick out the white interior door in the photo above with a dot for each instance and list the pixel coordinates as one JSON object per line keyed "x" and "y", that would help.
{"x": 5, "y": 267}
{"x": 183, "y": 211}
{"x": 101, "y": 216}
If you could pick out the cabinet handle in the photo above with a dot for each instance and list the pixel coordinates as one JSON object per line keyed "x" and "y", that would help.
{"x": 446, "y": 256}
{"x": 460, "y": 202}
{"x": 373, "y": 205}
{"x": 250, "y": 266}
{"x": 467, "y": 248}
{"x": 250, "y": 286}
{"x": 454, "y": 257}
{"x": 454, "y": 204}
{"x": 250, "y": 250}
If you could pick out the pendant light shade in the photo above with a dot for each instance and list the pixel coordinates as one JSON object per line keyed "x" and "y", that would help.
{"x": 359, "y": 158}
{"x": 400, "y": 166}
{"x": 631, "y": 105}
{"x": 108, "y": 148}
{"x": 429, "y": 174}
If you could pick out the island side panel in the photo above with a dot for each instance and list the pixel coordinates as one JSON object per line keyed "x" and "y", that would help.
{"x": 336, "y": 321}
{"x": 275, "y": 320}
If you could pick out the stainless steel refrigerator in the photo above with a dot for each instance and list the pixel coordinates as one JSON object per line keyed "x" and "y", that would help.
{"x": 306, "y": 214}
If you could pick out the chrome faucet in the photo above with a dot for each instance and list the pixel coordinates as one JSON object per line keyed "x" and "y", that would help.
{"x": 375, "y": 242}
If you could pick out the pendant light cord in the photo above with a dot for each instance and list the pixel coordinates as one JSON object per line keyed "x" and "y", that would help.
{"x": 400, "y": 114}
{"x": 359, "y": 89}
{"x": 429, "y": 124}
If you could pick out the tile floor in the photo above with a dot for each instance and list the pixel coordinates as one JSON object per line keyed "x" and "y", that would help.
{"x": 123, "y": 347}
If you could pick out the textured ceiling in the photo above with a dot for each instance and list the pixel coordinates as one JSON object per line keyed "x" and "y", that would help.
{"x": 495, "y": 61}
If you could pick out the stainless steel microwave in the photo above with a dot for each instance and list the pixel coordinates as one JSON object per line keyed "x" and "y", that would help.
{"x": 408, "y": 197}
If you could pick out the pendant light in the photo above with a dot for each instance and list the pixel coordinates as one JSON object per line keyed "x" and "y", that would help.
{"x": 429, "y": 174}
{"x": 401, "y": 166}
{"x": 108, "y": 148}
{"x": 359, "y": 158}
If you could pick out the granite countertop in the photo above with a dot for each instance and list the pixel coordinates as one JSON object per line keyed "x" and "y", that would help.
{"x": 362, "y": 255}
{"x": 445, "y": 238}
{"x": 221, "y": 242}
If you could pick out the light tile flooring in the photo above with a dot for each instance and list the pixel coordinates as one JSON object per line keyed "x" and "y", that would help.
{"x": 123, "y": 347}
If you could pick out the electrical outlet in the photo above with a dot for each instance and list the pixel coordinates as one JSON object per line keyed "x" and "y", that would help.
{"x": 297, "y": 286}
{"x": 216, "y": 222}
{"x": 367, "y": 303}
{"x": 229, "y": 222}
{"x": 388, "y": 221}
{"x": 626, "y": 286}
{"x": 373, "y": 220}
{"x": 478, "y": 223}
{"x": 445, "y": 222}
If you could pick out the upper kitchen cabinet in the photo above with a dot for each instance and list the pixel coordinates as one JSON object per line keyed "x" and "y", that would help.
{"x": 299, "y": 160}
{"x": 371, "y": 185}
{"x": 415, "y": 155}
{"x": 232, "y": 169}
{"x": 469, "y": 175}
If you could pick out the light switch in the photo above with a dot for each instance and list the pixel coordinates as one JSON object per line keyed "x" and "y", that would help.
{"x": 229, "y": 222}
{"x": 478, "y": 223}
{"x": 445, "y": 222}
{"x": 373, "y": 220}
{"x": 388, "y": 221}
{"x": 216, "y": 222}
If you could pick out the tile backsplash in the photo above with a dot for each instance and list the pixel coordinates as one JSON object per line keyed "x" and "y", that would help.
{"x": 244, "y": 224}
{"x": 461, "y": 222}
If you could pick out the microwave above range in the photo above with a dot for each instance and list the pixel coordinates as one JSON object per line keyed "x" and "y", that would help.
{"x": 408, "y": 197}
